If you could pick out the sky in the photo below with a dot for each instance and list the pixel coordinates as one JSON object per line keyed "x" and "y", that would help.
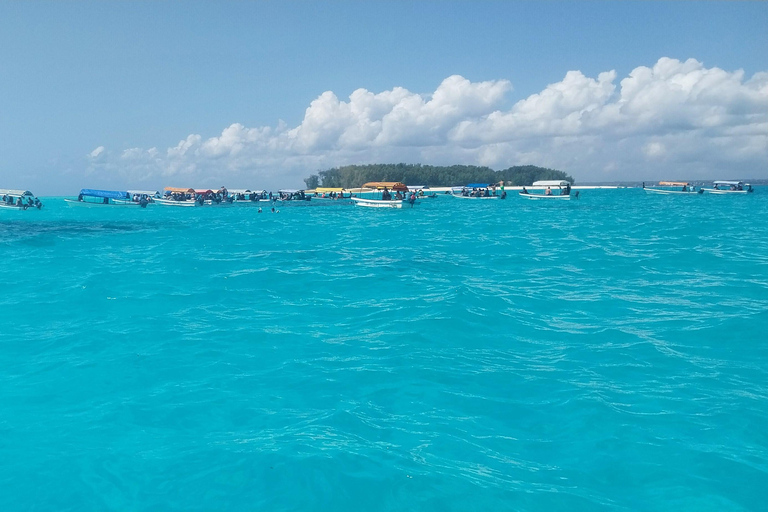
{"x": 261, "y": 94}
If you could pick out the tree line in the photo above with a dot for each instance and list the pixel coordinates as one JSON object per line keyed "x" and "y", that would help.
{"x": 353, "y": 176}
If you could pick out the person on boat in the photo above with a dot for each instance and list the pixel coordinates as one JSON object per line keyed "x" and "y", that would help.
{"x": 524, "y": 191}
{"x": 685, "y": 188}
{"x": 80, "y": 197}
{"x": 386, "y": 196}
{"x": 486, "y": 193}
{"x": 106, "y": 200}
{"x": 567, "y": 190}
{"x": 398, "y": 195}
{"x": 18, "y": 202}
{"x": 549, "y": 191}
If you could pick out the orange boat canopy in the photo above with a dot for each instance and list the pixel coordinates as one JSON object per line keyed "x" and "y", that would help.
{"x": 391, "y": 185}
{"x": 182, "y": 190}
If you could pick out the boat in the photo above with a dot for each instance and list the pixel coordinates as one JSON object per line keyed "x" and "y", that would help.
{"x": 729, "y": 187}
{"x": 97, "y": 198}
{"x": 478, "y": 191}
{"x": 178, "y": 197}
{"x": 563, "y": 191}
{"x": 322, "y": 196}
{"x": 672, "y": 187}
{"x": 381, "y": 196}
{"x": 19, "y": 200}
{"x": 422, "y": 192}
{"x": 150, "y": 195}
{"x": 292, "y": 197}
{"x": 247, "y": 197}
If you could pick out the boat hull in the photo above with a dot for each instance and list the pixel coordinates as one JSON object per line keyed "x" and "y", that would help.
{"x": 181, "y": 204}
{"x": 94, "y": 204}
{"x": 475, "y": 198}
{"x": 537, "y": 197}
{"x": 671, "y": 192}
{"x": 725, "y": 192}
{"x": 16, "y": 207}
{"x": 379, "y": 203}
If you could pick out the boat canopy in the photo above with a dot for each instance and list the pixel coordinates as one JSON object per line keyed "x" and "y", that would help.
{"x": 417, "y": 187}
{"x": 182, "y": 190}
{"x": 674, "y": 184}
{"x": 326, "y": 190}
{"x": 289, "y": 191}
{"x": 15, "y": 193}
{"x": 107, "y": 194}
{"x": 144, "y": 192}
{"x": 478, "y": 185}
{"x": 391, "y": 185}
{"x": 728, "y": 182}
{"x": 239, "y": 191}
{"x": 203, "y": 191}
{"x": 550, "y": 183}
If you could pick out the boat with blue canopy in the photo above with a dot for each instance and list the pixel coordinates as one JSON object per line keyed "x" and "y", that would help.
{"x": 93, "y": 197}
{"x": 19, "y": 200}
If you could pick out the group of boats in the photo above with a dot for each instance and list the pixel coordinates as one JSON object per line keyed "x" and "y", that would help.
{"x": 370, "y": 195}
{"x": 683, "y": 187}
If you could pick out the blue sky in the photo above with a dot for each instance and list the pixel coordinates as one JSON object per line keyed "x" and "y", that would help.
{"x": 258, "y": 94}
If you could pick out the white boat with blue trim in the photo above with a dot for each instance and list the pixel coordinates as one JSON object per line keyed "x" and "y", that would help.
{"x": 89, "y": 197}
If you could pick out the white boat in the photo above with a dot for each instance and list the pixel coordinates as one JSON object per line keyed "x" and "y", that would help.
{"x": 672, "y": 188}
{"x": 99, "y": 198}
{"x": 190, "y": 198}
{"x": 385, "y": 200}
{"x": 563, "y": 187}
{"x": 729, "y": 187}
{"x": 328, "y": 196}
{"x": 379, "y": 203}
{"x": 247, "y": 197}
{"x": 292, "y": 197}
{"x": 481, "y": 191}
{"x": 422, "y": 192}
{"x": 19, "y": 200}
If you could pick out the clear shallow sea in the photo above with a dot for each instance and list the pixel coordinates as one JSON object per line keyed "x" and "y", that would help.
{"x": 607, "y": 354}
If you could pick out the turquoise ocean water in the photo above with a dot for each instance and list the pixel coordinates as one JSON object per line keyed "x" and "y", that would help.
{"x": 607, "y": 354}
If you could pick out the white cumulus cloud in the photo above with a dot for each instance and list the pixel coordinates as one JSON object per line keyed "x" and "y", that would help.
{"x": 676, "y": 118}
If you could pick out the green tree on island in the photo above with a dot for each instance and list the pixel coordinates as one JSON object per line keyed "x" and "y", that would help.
{"x": 353, "y": 176}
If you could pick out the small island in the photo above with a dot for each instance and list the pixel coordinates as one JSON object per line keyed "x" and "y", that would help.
{"x": 353, "y": 176}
